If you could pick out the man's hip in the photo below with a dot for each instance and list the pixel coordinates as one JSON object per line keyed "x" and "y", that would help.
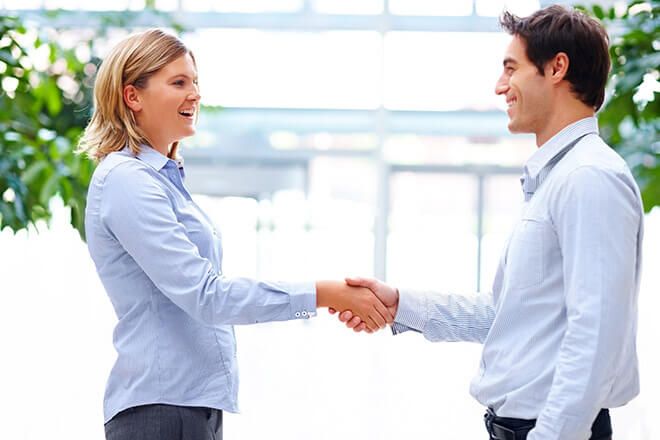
{"x": 506, "y": 428}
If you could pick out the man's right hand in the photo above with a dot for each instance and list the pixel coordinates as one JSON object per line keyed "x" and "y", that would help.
{"x": 388, "y": 295}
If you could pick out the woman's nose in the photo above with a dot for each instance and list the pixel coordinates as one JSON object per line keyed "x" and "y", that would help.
{"x": 194, "y": 96}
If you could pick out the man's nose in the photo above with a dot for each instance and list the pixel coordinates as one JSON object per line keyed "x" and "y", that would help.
{"x": 501, "y": 86}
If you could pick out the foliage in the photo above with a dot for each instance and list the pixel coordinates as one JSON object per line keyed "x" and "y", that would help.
{"x": 630, "y": 119}
{"x": 44, "y": 106}
{"x": 46, "y": 80}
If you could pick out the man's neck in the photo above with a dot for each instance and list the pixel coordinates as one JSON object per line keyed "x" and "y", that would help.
{"x": 561, "y": 119}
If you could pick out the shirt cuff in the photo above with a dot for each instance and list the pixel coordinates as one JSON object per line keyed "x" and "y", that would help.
{"x": 411, "y": 313}
{"x": 397, "y": 328}
{"x": 303, "y": 300}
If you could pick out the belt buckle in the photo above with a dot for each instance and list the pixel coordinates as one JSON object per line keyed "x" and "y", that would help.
{"x": 500, "y": 432}
{"x": 488, "y": 421}
{"x": 495, "y": 430}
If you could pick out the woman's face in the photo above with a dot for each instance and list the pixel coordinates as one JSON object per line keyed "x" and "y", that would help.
{"x": 167, "y": 107}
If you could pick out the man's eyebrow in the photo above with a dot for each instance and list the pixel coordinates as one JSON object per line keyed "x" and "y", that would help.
{"x": 508, "y": 60}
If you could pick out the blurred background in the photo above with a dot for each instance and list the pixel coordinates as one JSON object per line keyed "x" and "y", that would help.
{"x": 338, "y": 137}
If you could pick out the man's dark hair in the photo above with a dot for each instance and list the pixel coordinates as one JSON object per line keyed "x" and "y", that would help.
{"x": 583, "y": 39}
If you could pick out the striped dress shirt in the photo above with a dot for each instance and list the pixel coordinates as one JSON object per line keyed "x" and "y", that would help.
{"x": 559, "y": 327}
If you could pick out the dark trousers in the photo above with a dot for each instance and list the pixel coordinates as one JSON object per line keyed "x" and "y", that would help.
{"x": 165, "y": 422}
{"x": 505, "y": 428}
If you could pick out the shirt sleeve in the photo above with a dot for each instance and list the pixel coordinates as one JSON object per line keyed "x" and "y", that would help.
{"x": 445, "y": 317}
{"x": 597, "y": 219}
{"x": 137, "y": 212}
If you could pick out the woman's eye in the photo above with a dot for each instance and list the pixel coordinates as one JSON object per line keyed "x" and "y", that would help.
{"x": 178, "y": 82}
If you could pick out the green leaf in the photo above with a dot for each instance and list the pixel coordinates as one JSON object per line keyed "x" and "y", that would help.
{"x": 66, "y": 190}
{"x": 7, "y": 57}
{"x": 7, "y": 216}
{"x": 53, "y": 97}
{"x": 598, "y": 12}
{"x": 32, "y": 171}
{"x": 49, "y": 189}
{"x": 20, "y": 210}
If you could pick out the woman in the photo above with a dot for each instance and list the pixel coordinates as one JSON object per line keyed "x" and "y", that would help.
{"x": 159, "y": 257}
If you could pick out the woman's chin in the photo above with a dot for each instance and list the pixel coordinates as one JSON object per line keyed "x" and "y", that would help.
{"x": 190, "y": 131}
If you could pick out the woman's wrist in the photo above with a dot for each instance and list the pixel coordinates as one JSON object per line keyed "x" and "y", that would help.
{"x": 327, "y": 293}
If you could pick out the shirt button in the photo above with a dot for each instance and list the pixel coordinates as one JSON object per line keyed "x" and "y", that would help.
{"x": 297, "y": 314}
{"x": 304, "y": 313}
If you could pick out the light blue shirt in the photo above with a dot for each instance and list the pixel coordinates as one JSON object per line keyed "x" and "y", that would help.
{"x": 159, "y": 258}
{"x": 559, "y": 327}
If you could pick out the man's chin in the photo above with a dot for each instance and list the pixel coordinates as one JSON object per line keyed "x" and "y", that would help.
{"x": 514, "y": 127}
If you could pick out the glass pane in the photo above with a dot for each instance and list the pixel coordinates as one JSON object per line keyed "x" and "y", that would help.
{"x": 432, "y": 241}
{"x": 249, "y": 68}
{"x": 236, "y": 218}
{"x": 502, "y": 204}
{"x": 495, "y": 7}
{"x": 443, "y": 71}
{"x": 262, "y": 130}
{"x": 430, "y": 7}
{"x": 327, "y": 235}
{"x": 100, "y": 5}
{"x": 167, "y": 5}
{"x": 323, "y": 141}
{"x": 348, "y": 6}
{"x": 416, "y": 149}
{"x": 22, "y": 4}
{"x": 62, "y": 4}
{"x": 242, "y": 5}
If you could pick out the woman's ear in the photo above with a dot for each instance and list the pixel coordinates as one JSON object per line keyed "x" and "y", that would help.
{"x": 132, "y": 98}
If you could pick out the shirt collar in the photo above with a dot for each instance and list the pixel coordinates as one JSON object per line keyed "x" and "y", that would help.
{"x": 153, "y": 158}
{"x": 554, "y": 145}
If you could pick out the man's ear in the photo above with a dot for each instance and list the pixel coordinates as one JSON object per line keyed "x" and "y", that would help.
{"x": 132, "y": 98}
{"x": 557, "y": 67}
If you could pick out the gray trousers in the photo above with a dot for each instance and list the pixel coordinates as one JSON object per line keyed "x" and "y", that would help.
{"x": 165, "y": 422}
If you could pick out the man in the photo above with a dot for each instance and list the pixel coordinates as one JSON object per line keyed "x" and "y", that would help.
{"x": 559, "y": 328}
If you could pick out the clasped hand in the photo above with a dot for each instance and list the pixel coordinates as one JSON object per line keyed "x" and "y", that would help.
{"x": 388, "y": 296}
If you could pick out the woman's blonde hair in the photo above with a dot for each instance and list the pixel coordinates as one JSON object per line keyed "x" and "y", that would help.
{"x": 133, "y": 61}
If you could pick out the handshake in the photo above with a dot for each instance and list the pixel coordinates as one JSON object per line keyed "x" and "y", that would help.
{"x": 365, "y": 304}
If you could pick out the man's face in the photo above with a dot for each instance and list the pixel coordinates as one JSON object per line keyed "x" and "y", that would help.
{"x": 527, "y": 92}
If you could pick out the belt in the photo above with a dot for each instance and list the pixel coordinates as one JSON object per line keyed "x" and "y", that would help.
{"x": 505, "y": 428}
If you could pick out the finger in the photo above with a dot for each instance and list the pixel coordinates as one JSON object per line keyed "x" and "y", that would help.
{"x": 378, "y": 319}
{"x": 367, "y": 329}
{"x": 331, "y": 310}
{"x": 384, "y": 312}
{"x": 372, "y": 324}
{"x": 354, "y": 322}
{"x": 361, "y": 327}
{"x": 345, "y": 316}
